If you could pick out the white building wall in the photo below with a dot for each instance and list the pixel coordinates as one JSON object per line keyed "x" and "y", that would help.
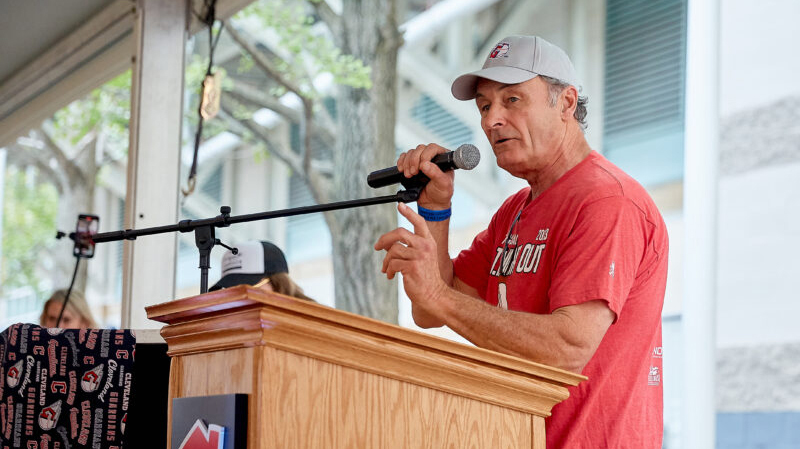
{"x": 759, "y": 58}
{"x": 759, "y": 205}
{"x": 758, "y": 340}
{"x": 759, "y": 235}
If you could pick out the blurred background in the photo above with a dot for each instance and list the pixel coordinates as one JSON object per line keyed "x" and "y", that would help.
{"x": 698, "y": 100}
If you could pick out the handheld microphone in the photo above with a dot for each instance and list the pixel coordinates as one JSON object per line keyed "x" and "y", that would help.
{"x": 465, "y": 157}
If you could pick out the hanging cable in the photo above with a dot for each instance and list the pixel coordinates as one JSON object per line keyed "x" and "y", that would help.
{"x": 205, "y": 86}
{"x": 69, "y": 291}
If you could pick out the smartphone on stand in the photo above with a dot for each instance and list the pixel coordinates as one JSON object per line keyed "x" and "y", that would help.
{"x": 84, "y": 232}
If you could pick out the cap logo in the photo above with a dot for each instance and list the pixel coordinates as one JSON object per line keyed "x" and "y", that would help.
{"x": 499, "y": 50}
{"x": 231, "y": 264}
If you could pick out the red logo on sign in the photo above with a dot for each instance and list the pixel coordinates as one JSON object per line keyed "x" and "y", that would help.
{"x": 200, "y": 437}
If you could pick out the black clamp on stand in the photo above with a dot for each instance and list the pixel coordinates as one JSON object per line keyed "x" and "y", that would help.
{"x": 203, "y": 229}
{"x": 205, "y": 240}
{"x": 409, "y": 195}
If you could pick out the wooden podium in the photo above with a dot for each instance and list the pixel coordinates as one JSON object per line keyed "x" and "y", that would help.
{"x": 317, "y": 377}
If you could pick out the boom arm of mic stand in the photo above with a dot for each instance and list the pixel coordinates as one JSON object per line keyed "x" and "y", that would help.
{"x": 204, "y": 228}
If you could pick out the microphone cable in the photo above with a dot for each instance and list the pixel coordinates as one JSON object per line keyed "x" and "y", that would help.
{"x": 69, "y": 291}
{"x": 210, "y": 19}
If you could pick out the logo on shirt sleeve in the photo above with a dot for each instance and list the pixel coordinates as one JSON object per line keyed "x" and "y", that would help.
{"x": 654, "y": 377}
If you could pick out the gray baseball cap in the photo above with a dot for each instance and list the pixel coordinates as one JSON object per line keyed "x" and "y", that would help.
{"x": 517, "y": 59}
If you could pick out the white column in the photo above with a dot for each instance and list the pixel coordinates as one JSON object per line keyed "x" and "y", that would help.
{"x": 700, "y": 216}
{"x": 2, "y": 199}
{"x": 154, "y": 157}
{"x": 587, "y": 51}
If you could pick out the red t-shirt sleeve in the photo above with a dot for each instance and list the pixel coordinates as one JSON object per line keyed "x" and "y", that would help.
{"x": 600, "y": 257}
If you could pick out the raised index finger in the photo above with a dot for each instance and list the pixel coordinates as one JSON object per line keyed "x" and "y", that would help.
{"x": 420, "y": 226}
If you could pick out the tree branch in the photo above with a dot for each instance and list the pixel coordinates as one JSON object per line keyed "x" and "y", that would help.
{"x": 331, "y": 19}
{"x": 280, "y": 151}
{"x": 309, "y": 171}
{"x": 23, "y": 156}
{"x": 306, "y": 129}
{"x": 262, "y": 61}
{"x": 250, "y": 95}
{"x": 88, "y": 141}
{"x": 308, "y": 105}
{"x": 326, "y": 122}
{"x": 73, "y": 172}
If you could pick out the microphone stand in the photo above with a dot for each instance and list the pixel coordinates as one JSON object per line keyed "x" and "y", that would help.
{"x": 203, "y": 228}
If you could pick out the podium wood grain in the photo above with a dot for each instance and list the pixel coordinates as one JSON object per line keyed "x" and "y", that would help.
{"x": 322, "y": 378}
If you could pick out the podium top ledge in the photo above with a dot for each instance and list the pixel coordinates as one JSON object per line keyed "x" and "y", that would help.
{"x": 274, "y": 307}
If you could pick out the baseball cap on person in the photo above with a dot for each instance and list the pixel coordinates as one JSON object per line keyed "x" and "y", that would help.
{"x": 253, "y": 261}
{"x": 517, "y": 59}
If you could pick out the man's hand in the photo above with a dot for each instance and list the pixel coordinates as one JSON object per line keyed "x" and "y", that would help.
{"x": 415, "y": 256}
{"x": 438, "y": 192}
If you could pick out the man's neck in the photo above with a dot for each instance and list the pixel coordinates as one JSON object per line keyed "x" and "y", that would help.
{"x": 571, "y": 152}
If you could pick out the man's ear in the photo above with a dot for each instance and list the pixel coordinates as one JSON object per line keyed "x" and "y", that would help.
{"x": 569, "y": 101}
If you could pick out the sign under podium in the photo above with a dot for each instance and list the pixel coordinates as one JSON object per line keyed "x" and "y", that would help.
{"x": 320, "y": 377}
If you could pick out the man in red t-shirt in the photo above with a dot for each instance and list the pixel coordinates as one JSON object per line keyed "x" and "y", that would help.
{"x": 572, "y": 269}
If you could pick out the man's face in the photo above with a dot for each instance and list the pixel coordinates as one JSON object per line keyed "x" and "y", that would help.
{"x": 524, "y": 130}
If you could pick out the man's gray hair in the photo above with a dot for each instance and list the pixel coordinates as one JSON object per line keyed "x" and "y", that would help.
{"x": 555, "y": 87}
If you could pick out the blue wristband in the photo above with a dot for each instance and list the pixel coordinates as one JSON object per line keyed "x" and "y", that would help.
{"x": 433, "y": 215}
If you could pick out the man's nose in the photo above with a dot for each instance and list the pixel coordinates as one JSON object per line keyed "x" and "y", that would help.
{"x": 494, "y": 118}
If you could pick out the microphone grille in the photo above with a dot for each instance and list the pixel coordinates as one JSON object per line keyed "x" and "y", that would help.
{"x": 466, "y": 156}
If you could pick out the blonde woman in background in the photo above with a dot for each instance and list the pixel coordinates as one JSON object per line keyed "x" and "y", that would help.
{"x": 76, "y": 316}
